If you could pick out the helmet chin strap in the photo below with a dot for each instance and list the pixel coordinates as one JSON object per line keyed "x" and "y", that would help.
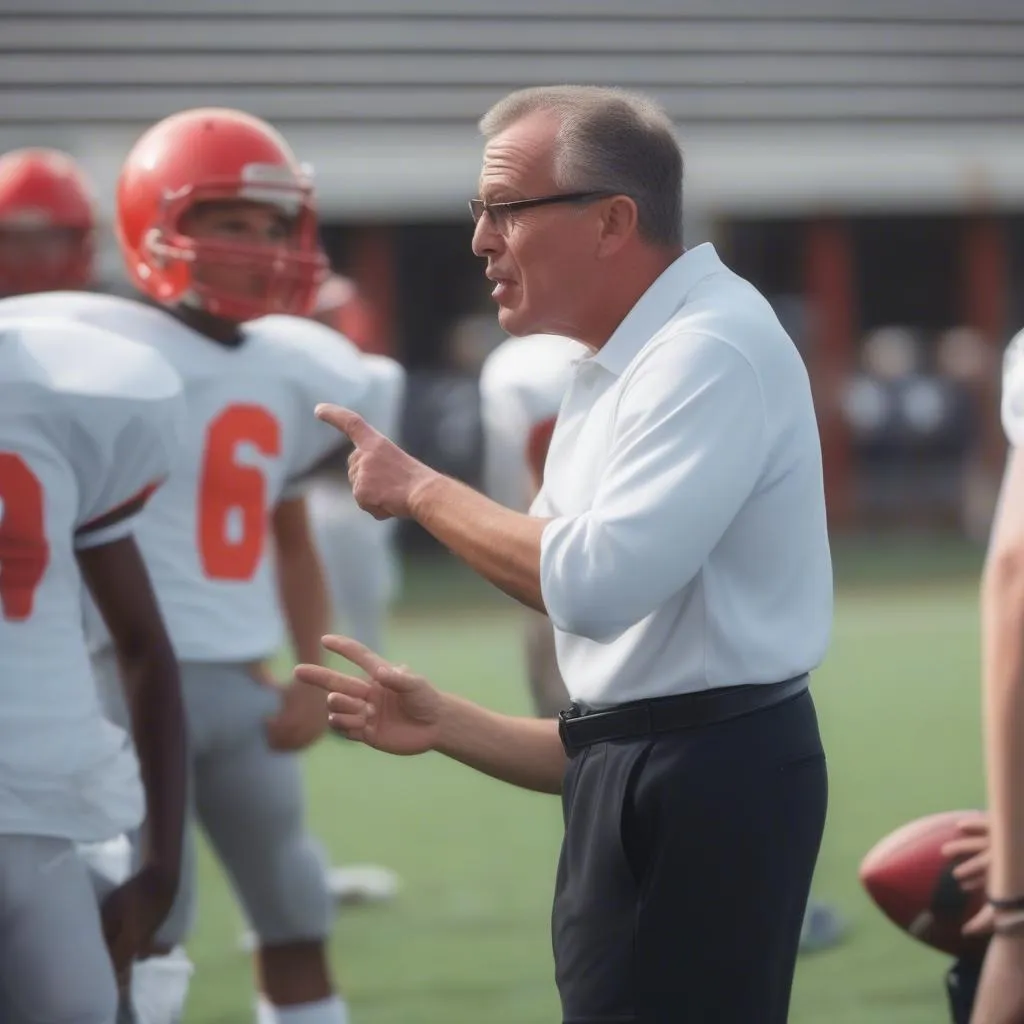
{"x": 193, "y": 301}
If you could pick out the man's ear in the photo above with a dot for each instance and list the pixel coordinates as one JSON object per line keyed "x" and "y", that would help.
{"x": 618, "y": 224}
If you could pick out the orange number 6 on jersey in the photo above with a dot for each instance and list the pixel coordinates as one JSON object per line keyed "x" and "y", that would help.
{"x": 233, "y": 497}
{"x": 24, "y": 551}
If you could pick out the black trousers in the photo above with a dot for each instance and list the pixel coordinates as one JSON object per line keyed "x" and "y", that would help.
{"x": 962, "y": 981}
{"x": 685, "y": 871}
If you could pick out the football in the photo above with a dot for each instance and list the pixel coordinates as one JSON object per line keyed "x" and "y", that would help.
{"x": 913, "y": 884}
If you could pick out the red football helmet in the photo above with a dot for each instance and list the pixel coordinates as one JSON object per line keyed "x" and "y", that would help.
{"x": 211, "y": 155}
{"x": 47, "y": 223}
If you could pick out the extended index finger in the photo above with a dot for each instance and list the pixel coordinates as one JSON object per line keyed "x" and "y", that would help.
{"x": 332, "y": 681}
{"x": 359, "y": 654}
{"x": 350, "y": 423}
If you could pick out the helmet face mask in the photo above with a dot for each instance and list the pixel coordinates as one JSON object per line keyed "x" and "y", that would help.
{"x": 260, "y": 256}
{"x": 47, "y": 223}
{"x": 237, "y": 257}
{"x": 46, "y": 259}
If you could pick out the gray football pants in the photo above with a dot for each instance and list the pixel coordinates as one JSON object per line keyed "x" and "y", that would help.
{"x": 54, "y": 965}
{"x": 249, "y": 801}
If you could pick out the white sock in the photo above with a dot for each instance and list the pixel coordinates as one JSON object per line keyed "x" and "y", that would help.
{"x": 331, "y": 1010}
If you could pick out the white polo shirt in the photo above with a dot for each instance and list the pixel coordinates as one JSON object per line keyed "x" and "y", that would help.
{"x": 688, "y": 548}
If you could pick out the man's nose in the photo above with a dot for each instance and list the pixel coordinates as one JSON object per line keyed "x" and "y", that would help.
{"x": 486, "y": 240}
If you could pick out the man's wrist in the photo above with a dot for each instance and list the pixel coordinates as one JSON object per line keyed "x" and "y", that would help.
{"x": 424, "y": 493}
{"x": 162, "y": 873}
{"x": 447, "y": 741}
{"x": 1006, "y": 903}
{"x": 1010, "y": 925}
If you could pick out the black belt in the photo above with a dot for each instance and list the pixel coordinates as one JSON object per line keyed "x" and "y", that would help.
{"x": 578, "y": 728}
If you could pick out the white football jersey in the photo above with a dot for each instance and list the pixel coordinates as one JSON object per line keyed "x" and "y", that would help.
{"x": 521, "y": 386}
{"x": 1012, "y": 404}
{"x": 386, "y": 395}
{"x": 251, "y": 433}
{"x": 357, "y": 550}
{"x": 89, "y": 425}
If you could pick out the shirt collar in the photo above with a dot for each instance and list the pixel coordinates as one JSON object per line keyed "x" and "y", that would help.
{"x": 656, "y": 306}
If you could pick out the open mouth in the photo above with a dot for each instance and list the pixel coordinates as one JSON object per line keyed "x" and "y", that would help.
{"x": 502, "y": 287}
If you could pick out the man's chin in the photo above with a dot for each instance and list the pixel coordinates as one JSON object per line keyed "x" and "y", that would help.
{"x": 514, "y": 321}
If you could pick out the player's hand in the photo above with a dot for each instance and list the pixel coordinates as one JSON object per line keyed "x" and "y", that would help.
{"x": 983, "y": 922}
{"x": 133, "y": 912}
{"x": 384, "y": 478}
{"x": 1000, "y": 998}
{"x": 971, "y": 847}
{"x": 261, "y": 672}
{"x": 300, "y": 721}
{"x": 392, "y": 710}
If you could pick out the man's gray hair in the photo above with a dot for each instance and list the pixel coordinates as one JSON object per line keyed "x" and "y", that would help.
{"x": 610, "y": 140}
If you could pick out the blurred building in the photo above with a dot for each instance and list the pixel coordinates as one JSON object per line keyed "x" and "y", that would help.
{"x": 861, "y": 160}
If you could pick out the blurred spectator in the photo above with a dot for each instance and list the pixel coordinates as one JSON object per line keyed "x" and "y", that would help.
{"x": 891, "y": 353}
{"x": 888, "y": 357}
{"x": 963, "y": 356}
{"x": 915, "y": 426}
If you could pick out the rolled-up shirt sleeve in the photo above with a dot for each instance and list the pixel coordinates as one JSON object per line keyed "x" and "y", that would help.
{"x": 687, "y": 448}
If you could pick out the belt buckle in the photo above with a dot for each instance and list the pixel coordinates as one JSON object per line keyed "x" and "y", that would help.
{"x": 573, "y": 711}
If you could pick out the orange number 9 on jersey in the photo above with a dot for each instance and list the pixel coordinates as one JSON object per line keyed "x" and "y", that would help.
{"x": 24, "y": 551}
{"x": 233, "y": 497}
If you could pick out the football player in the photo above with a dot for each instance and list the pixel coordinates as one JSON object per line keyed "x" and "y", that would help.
{"x": 89, "y": 427}
{"x": 47, "y": 223}
{"x": 358, "y": 551}
{"x": 361, "y": 570}
{"x": 521, "y": 387}
{"x": 216, "y": 224}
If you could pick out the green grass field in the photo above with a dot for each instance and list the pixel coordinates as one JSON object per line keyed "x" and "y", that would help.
{"x": 467, "y": 939}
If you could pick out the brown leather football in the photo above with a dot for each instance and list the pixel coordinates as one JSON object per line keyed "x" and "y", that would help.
{"x": 913, "y": 884}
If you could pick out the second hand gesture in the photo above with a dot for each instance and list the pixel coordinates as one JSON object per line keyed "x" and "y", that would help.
{"x": 392, "y": 709}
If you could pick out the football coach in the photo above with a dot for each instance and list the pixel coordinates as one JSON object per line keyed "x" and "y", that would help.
{"x": 678, "y": 545}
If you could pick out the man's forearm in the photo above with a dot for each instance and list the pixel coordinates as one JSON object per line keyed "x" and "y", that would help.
{"x": 1003, "y": 669}
{"x": 153, "y": 693}
{"x": 501, "y": 545}
{"x": 525, "y": 752}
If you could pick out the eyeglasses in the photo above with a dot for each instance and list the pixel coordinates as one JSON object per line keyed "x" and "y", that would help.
{"x": 502, "y": 214}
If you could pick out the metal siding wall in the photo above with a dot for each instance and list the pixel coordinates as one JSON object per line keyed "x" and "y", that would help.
{"x": 798, "y": 106}
{"x": 320, "y": 62}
